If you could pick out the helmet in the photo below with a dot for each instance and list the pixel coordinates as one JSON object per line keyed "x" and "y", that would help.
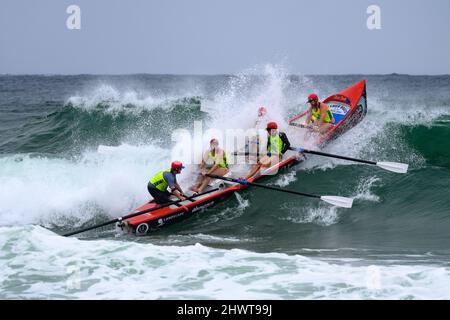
{"x": 262, "y": 111}
{"x": 272, "y": 125}
{"x": 313, "y": 97}
{"x": 177, "y": 166}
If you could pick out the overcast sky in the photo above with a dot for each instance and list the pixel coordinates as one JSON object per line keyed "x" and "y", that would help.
{"x": 224, "y": 36}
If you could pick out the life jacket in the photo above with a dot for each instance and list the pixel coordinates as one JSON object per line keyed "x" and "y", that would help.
{"x": 159, "y": 182}
{"x": 316, "y": 115}
{"x": 223, "y": 163}
{"x": 275, "y": 145}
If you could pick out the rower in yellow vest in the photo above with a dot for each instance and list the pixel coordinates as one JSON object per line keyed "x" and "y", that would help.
{"x": 277, "y": 144}
{"x": 214, "y": 161}
{"x": 158, "y": 185}
{"x": 319, "y": 115}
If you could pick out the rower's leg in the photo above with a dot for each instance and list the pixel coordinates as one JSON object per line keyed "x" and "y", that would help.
{"x": 268, "y": 162}
{"x": 203, "y": 185}
{"x": 257, "y": 167}
{"x": 254, "y": 170}
{"x": 160, "y": 197}
{"x": 197, "y": 184}
{"x": 221, "y": 171}
{"x": 218, "y": 172}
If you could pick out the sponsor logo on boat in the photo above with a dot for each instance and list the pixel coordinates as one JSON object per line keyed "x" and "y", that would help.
{"x": 339, "y": 108}
{"x": 205, "y": 206}
{"x": 161, "y": 221}
{"x": 338, "y": 98}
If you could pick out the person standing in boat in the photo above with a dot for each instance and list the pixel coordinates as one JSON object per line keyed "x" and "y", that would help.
{"x": 254, "y": 141}
{"x": 277, "y": 144}
{"x": 157, "y": 187}
{"x": 319, "y": 115}
{"x": 214, "y": 161}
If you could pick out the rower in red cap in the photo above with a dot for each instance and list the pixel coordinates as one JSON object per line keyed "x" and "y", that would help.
{"x": 157, "y": 186}
{"x": 214, "y": 161}
{"x": 319, "y": 115}
{"x": 277, "y": 144}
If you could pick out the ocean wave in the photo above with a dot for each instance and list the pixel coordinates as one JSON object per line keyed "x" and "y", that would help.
{"x": 64, "y": 268}
{"x": 63, "y": 192}
{"x": 112, "y": 100}
{"x": 322, "y": 215}
{"x": 365, "y": 185}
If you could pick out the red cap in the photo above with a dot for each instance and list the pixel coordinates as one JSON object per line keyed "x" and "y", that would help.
{"x": 272, "y": 125}
{"x": 176, "y": 165}
{"x": 262, "y": 110}
{"x": 313, "y": 97}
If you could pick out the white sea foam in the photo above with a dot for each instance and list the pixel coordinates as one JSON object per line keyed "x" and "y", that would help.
{"x": 285, "y": 179}
{"x": 363, "y": 191}
{"x": 48, "y": 190}
{"x": 229, "y": 213}
{"x": 320, "y": 214}
{"x": 110, "y": 99}
{"x": 67, "y": 268}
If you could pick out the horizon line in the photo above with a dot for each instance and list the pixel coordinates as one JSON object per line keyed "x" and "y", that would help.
{"x": 220, "y": 74}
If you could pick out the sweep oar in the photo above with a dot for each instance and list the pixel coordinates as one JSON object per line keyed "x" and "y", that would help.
{"x": 137, "y": 213}
{"x": 334, "y": 200}
{"x": 390, "y": 166}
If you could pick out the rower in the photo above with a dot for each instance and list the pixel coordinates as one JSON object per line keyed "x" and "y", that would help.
{"x": 319, "y": 115}
{"x": 253, "y": 142}
{"x": 261, "y": 119}
{"x": 157, "y": 186}
{"x": 277, "y": 144}
{"x": 214, "y": 161}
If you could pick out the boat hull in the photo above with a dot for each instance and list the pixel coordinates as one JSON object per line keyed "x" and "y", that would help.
{"x": 157, "y": 219}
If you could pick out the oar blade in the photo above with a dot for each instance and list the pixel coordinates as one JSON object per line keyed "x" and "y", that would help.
{"x": 393, "y": 166}
{"x": 338, "y": 201}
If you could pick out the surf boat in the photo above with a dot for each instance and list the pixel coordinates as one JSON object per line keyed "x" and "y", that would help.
{"x": 348, "y": 106}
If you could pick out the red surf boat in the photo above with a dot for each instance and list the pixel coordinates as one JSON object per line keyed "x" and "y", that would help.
{"x": 348, "y": 106}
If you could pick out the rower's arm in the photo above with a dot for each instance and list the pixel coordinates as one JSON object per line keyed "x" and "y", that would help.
{"x": 203, "y": 164}
{"x": 323, "y": 113}
{"x": 308, "y": 116}
{"x": 173, "y": 185}
{"x": 178, "y": 194}
{"x": 286, "y": 142}
{"x": 217, "y": 163}
{"x": 177, "y": 187}
{"x": 219, "y": 157}
{"x": 214, "y": 167}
